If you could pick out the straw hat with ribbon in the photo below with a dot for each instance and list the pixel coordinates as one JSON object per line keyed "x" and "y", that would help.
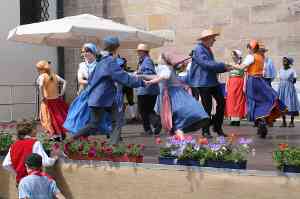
{"x": 143, "y": 47}
{"x": 208, "y": 33}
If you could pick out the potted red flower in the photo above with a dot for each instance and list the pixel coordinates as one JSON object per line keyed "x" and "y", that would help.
{"x": 134, "y": 152}
{"x": 119, "y": 153}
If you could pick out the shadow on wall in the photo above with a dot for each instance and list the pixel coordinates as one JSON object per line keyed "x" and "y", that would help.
{"x": 57, "y": 174}
{"x": 6, "y": 182}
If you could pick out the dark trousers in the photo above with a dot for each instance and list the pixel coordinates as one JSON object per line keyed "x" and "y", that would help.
{"x": 146, "y": 105}
{"x": 206, "y": 94}
{"x": 128, "y": 92}
{"x": 269, "y": 81}
{"x": 96, "y": 115}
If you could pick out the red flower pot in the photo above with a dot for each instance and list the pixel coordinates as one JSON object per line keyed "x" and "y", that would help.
{"x": 76, "y": 156}
{"x": 137, "y": 159}
{"x": 123, "y": 158}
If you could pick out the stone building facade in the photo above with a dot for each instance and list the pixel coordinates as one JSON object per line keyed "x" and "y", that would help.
{"x": 275, "y": 22}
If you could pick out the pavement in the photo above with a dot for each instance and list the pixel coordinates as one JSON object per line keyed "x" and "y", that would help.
{"x": 260, "y": 160}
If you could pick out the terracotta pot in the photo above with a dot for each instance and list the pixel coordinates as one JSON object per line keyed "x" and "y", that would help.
{"x": 137, "y": 159}
{"x": 76, "y": 157}
{"x": 123, "y": 158}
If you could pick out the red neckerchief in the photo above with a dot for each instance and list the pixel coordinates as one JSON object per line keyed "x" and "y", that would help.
{"x": 39, "y": 173}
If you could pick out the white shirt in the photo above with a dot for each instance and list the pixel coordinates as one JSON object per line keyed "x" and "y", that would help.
{"x": 37, "y": 148}
{"x": 288, "y": 74}
{"x": 163, "y": 71}
{"x": 249, "y": 59}
{"x": 83, "y": 71}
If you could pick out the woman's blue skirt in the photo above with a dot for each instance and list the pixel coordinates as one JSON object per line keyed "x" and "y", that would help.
{"x": 262, "y": 99}
{"x": 79, "y": 115}
{"x": 186, "y": 111}
{"x": 288, "y": 95}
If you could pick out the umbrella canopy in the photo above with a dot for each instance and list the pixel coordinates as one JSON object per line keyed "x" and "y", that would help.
{"x": 74, "y": 31}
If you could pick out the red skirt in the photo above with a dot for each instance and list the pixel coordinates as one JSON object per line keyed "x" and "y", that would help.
{"x": 58, "y": 111}
{"x": 236, "y": 98}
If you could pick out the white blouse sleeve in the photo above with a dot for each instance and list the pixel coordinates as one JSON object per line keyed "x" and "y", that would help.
{"x": 249, "y": 59}
{"x": 7, "y": 164}
{"x": 38, "y": 148}
{"x": 164, "y": 71}
{"x": 294, "y": 74}
{"x": 60, "y": 79}
{"x": 40, "y": 80}
{"x": 82, "y": 72}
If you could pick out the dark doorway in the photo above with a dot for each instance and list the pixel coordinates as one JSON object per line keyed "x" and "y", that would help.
{"x": 30, "y": 11}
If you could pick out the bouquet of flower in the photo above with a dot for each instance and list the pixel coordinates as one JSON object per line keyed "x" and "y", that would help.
{"x": 5, "y": 141}
{"x": 285, "y": 155}
{"x": 135, "y": 150}
{"x": 231, "y": 150}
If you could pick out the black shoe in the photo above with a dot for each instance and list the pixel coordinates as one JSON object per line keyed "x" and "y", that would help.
{"x": 283, "y": 125}
{"x": 235, "y": 123}
{"x": 262, "y": 131}
{"x": 107, "y": 136}
{"x": 232, "y": 123}
{"x": 255, "y": 124}
{"x": 149, "y": 132}
{"x": 157, "y": 130}
{"x": 221, "y": 133}
{"x": 206, "y": 134}
{"x": 291, "y": 125}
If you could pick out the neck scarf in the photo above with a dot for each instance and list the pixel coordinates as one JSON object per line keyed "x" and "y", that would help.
{"x": 38, "y": 172}
{"x": 91, "y": 66}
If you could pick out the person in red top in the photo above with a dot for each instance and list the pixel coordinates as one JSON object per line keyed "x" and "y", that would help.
{"x": 25, "y": 145}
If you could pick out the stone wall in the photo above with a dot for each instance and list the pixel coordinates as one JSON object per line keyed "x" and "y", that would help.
{"x": 85, "y": 179}
{"x": 275, "y": 22}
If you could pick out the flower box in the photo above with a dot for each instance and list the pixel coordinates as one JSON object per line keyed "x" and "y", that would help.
{"x": 223, "y": 164}
{"x": 137, "y": 159}
{"x": 188, "y": 162}
{"x": 123, "y": 158}
{"x": 291, "y": 169}
{"x": 167, "y": 160}
{"x": 287, "y": 158}
{"x": 76, "y": 157}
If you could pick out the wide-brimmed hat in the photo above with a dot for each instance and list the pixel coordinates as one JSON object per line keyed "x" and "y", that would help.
{"x": 43, "y": 65}
{"x": 143, "y": 47}
{"x": 208, "y": 33}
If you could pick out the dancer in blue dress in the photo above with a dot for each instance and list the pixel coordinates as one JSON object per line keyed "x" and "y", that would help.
{"x": 178, "y": 109}
{"x": 79, "y": 112}
{"x": 287, "y": 91}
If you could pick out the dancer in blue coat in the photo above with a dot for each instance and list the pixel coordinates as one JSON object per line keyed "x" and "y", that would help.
{"x": 79, "y": 112}
{"x": 103, "y": 90}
